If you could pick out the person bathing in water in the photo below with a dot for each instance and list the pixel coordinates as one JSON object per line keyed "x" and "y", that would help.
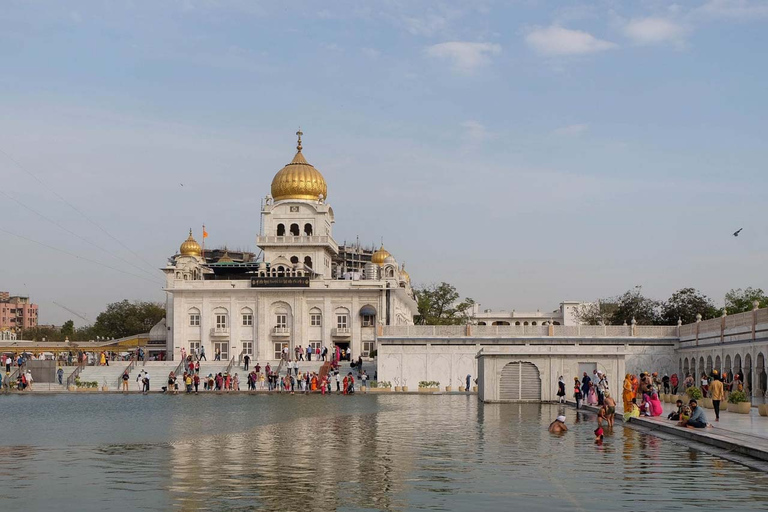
{"x": 558, "y": 425}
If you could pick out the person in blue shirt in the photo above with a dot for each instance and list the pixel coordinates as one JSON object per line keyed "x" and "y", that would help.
{"x": 697, "y": 419}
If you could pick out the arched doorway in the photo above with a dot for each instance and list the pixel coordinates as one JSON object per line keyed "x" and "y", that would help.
{"x": 762, "y": 378}
{"x": 520, "y": 382}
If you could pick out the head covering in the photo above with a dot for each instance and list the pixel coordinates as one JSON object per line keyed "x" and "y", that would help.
{"x": 561, "y": 418}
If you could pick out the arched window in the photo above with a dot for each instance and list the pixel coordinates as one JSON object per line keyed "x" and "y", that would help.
{"x": 517, "y": 323}
{"x": 280, "y": 271}
{"x": 295, "y": 230}
{"x": 220, "y": 318}
{"x": 247, "y": 317}
{"x": 308, "y": 229}
{"x": 308, "y": 261}
{"x": 281, "y": 230}
{"x": 533, "y": 323}
{"x": 315, "y": 317}
{"x": 525, "y": 323}
{"x": 294, "y": 259}
{"x": 194, "y": 317}
{"x": 555, "y": 323}
{"x": 480, "y": 323}
{"x": 500, "y": 322}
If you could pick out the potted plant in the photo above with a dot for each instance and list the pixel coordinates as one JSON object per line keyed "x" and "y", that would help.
{"x": 448, "y": 388}
{"x": 105, "y": 386}
{"x": 462, "y": 389}
{"x": 694, "y": 393}
{"x": 762, "y": 409}
{"x": 429, "y": 386}
{"x": 739, "y": 402}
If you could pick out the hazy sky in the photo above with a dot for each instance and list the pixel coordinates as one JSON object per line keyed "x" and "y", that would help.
{"x": 526, "y": 152}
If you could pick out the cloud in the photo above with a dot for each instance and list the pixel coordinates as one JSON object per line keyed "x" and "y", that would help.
{"x": 371, "y": 53}
{"x": 474, "y": 133}
{"x": 556, "y": 40}
{"x": 464, "y": 57}
{"x": 426, "y": 26}
{"x": 647, "y": 31}
{"x": 735, "y": 9}
{"x": 572, "y": 130}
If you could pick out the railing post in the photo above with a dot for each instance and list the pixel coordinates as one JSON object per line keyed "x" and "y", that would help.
{"x": 722, "y": 325}
{"x": 755, "y": 306}
{"x": 633, "y": 327}
{"x": 698, "y": 321}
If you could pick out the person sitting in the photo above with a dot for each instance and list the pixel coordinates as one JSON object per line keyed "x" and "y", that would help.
{"x": 633, "y": 411}
{"x": 697, "y": 419}
{"x": 558, "y": 425}
{"x": 645, "y": 406}
{"x": 676, "y": 415}
{"x": 656, "y": 408}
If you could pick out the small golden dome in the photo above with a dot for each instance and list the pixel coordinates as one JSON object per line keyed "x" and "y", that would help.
{"x": 190, "y": 247}
{"x": 225, "y": 258}
{"x": 379, "y": 257}
{"x": 299, "y": 179}
{"x": 404, "y": 275}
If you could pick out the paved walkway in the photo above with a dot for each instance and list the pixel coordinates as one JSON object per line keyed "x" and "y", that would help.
{"x": 743, "y": 434}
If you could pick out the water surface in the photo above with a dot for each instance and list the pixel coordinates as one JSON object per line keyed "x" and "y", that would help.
{"x": 367, "y": 452}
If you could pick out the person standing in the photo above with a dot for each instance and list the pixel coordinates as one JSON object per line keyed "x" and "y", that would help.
{"x": 145, "y": 380}
{"x": 665, "y": 383}
{"x": 60, "y": 375}
{"x": 202, "y": 354}
{"x": 577, "y": 393}
{"x": 560, "y": 388}
{"x": 247, "y": 361}
{"x": 125, "y": 378}
{"x": 674, "y": 382}
{"x": 469, "y": 381}
{"x": 585, "y": 380}
{"x": 196, "y": 381}
{"x": 717, "y": 393}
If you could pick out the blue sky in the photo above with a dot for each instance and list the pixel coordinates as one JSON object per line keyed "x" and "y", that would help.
{"x": 526, "y": 152}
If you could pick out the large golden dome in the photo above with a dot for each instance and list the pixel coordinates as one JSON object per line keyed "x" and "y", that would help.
{"x": 379, "y": 257}
{"x": 190, "y": 247}
{"x": 298, "y": 179}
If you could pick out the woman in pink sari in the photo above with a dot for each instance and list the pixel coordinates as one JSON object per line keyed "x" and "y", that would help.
{"x": 592, "y": 395}
{"x": 656, "y": 407}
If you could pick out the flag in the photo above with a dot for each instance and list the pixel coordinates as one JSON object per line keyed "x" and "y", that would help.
{"x": 205, "y": 233}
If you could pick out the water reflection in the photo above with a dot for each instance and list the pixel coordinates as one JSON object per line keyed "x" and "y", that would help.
{"x": 352, "y": 453}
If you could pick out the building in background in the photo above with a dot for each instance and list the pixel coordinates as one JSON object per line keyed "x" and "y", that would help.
{"x": 302, "y": 290}
{"x": 17, "y": 313}
{"x": 566, "y": 314}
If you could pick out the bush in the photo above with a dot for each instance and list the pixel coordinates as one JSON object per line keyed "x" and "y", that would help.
{"x": 385, "y": 384}
{"x": 694, "y": 393}
{"x": 737, "y": 397}
{"x": 429, "y": 384}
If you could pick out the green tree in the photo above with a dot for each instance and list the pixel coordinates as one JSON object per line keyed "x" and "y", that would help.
{"x": 632, "y": 304}
{"x": 599, "y": 312}
{"x": 685, "y": 304}
{"x": 68, "y": 329}
{"x": 739, "y": 301}
{"x": 438, "y": 305}
{"x": 127, "y": 318}
{"x": 40, "y": 333}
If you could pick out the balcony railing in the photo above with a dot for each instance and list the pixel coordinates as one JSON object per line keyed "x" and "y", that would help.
{"x": 281, "y": 331}
{"x": 301, "y": 239}
{"x": 341, "y": 332}
{"x": 219, "y": 331}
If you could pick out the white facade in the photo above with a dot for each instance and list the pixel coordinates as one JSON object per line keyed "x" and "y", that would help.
{"x": 295, "y": 296}
{"x": 564, "y": 315}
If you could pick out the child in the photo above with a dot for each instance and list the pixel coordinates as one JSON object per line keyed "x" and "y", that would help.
{"x": 599, "y": 435}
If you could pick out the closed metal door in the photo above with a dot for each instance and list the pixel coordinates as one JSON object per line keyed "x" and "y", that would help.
{"x": 520, "y": 382}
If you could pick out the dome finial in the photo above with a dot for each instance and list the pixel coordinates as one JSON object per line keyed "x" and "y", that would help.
{"x": 298, "y": 145}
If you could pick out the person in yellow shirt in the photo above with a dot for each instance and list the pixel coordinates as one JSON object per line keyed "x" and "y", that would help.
{"x": 717, "y": 393}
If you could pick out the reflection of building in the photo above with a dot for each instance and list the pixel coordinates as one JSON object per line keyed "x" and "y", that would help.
{"x": 304, "y": 291}
{"x": 16, "y": 312}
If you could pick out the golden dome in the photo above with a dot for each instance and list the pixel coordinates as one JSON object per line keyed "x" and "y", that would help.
{"x": 404, "y": 275}
{"x": 225, "y": 258}
{"x": 379, "y": 257}
{"x": 298, "y": 179}
{"x": 190, "y": 247}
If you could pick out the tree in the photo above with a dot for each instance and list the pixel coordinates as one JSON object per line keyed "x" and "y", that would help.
{"x": 438, "y": 305}
{"x": 68, "y": 329}
{"x": 632, "y": 304}
{"x": 739, "y": 301}
{"x": 125, "y": 318}
{"x": 596, "y": 313}
{"x": 685, "y": 304}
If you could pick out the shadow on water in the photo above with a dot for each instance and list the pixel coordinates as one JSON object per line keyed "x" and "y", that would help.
{"x": 373, "y": 452}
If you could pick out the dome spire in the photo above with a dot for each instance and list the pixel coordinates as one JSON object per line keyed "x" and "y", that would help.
{"x": 299, "y": 134}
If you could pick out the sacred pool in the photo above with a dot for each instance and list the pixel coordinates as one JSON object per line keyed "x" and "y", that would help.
{"x": 365, "y": 452}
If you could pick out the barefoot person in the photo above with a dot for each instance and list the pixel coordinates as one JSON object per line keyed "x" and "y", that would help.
{"x": 558, "y": 425}
{"x": 717, "y": 393}
{"x": 610, "y": 408}
{"x": 697, "y": 419}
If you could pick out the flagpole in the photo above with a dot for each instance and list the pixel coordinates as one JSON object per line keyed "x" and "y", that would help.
{"x": 204, "y": 260}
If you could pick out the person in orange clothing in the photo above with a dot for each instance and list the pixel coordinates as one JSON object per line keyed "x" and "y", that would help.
{"x": 314, "y": 382}
{"x": 627, "y": 395}
{"x": 635, "y": 385}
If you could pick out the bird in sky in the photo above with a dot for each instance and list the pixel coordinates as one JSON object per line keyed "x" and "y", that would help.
{"x": 737, "y": 232}
{"x": 181, "y": 184}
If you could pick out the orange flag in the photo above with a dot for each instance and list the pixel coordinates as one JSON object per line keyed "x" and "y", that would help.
{"x": 205, "y": 233}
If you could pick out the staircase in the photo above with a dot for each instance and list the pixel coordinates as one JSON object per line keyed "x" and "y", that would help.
{"x": 104, "y": 374}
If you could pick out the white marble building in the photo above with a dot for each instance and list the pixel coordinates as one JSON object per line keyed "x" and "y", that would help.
{"x": 298, "y": 294}
{"x": 566, "y": 314}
